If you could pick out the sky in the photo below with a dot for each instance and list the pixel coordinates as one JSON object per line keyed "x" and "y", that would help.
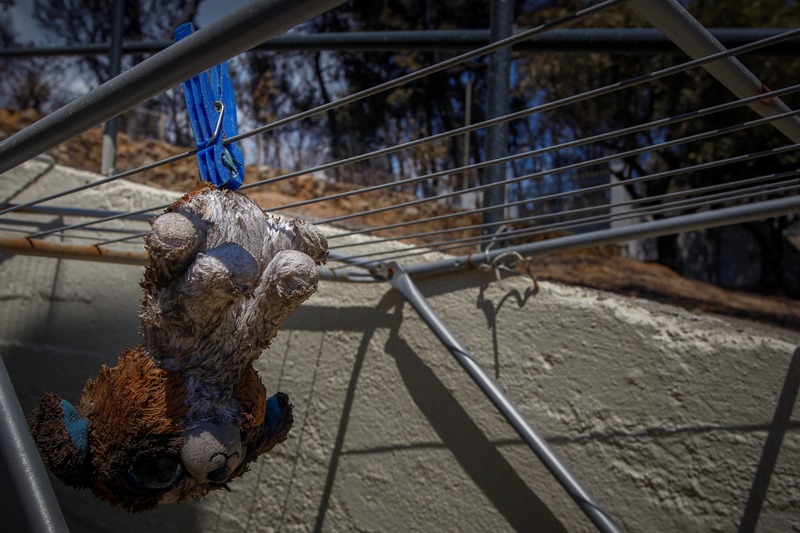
{"x": 24, "y": 26}
{"x": 211, "y": 10}
{"x": 28, "y": 30}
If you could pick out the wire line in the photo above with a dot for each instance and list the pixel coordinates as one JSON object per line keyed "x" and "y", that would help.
{"x": 433, "y": 69}
{"x": 595, "y": 188}
{"x": 577, "y": 166}
{"x": 458, "y": 131}
{"x": 608, "y": 89}
{"x": 788, "y": 186}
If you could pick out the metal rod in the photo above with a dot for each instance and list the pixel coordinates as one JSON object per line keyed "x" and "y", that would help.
{"x": 108, "y": 159}
{"x": 33, "y": 488}
{"x": 74, "y": 212}
{"x": 401, "y": 281}
{"x": 235, "y": 33}
{"x": 770, "y": 41}
{"x": 432, "y": 69}
{"x": 783, "y": 188}
{"x": 37, "y": 247}
{"x": 780, "y": 187}
{"x": 684, "y": 30}
{"x": 557, "y": 170}
{"x": 99, "y": 182}
{"x": 349, "y": 276}
{"x": 574, "y": 166}
{"x": 596, "y": 40}
{"x": 502, "y": 16}
{"x": 585, "y": 240}
{"x": 125, "y": 239}
{"x": 695, "y": 221}
{"x": 358, "y": 259}
{"x": 549, "y": 106}
{"x": 108, "y": 218}
{"x": 603, "y": 218}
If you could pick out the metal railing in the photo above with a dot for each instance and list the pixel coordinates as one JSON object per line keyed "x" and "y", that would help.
{"x": 250, "y": 26}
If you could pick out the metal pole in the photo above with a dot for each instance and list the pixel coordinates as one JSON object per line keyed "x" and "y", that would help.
{"x": 38, "y": 247}
{"x": 108, "y": 160}
{"x": 637, "y": 41}
{"x": 502, "y": 16}
{"x": 75, "y": 212}
{"x": 694, "y": 39}
{"x": 33, "y": 488}
{"x": 401, "y": 281}
{"x": 695, "y": 221}
{"x": 244, "y": 28}
{"x": 467, "y": 182}
{"x": 467, "y": 121}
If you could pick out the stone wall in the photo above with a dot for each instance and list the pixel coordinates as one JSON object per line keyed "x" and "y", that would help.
{"x": 666, "y": 416}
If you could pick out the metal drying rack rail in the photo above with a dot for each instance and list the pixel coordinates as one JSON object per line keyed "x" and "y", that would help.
{"x": 252, "y": 25}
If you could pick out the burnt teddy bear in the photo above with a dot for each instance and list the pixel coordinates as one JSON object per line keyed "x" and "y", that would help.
{"x": 186, "y": 412}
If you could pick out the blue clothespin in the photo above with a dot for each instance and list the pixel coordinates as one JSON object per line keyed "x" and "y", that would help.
{"x": 212, "y": 112}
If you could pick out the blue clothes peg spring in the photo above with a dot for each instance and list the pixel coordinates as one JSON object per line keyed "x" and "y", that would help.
{"x": 212, "y": 111}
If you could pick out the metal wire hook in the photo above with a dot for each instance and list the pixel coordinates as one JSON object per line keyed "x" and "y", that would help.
{"x": 502, "y": 229}
{"x": 220, "y": 107}
{"x": 501, "y": 262}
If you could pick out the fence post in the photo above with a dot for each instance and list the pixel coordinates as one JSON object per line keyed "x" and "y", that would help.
{"x": 498, "y": 105}
{"x": 108, "y": 161}
{"x": 25, "y": 468}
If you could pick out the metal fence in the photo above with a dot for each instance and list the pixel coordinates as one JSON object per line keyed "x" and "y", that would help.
{"x": 577, "y": 218}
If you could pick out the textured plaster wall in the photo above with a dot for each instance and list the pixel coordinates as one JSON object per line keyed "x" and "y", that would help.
{"x": 664, "y": 415}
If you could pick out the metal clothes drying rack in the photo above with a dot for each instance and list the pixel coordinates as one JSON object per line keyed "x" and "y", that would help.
{"x": 250, "y": 26}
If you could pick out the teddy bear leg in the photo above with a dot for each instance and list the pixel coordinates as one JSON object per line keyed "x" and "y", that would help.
{"x": 312, "y": 241}
{"x": 217, "y": 278}
{"x": 289, "y": 279}
{"x": 292, "y": 275}
{"x": 175, "y": 239}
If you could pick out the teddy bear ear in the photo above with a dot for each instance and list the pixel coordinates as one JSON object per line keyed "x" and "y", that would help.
{"x": 278, "y": 417}
{"x": 278, "y": 421}
{"x": 62, "y": 436}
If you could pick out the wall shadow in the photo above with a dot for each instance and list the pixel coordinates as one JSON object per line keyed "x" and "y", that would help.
{"x": 492, "y": 310}
{"x": 372, "y": 318}
{"x": 477, "y": 455}
{"x": 781, "y": 422}
{"x": 453, "y": 282}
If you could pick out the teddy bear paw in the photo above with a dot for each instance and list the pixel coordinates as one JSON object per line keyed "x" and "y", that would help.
{"x": 293, "y": 274}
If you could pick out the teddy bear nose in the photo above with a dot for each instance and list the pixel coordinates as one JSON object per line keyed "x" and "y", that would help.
{"x": 220, "y": 475}
{"x": 211, "y": 451}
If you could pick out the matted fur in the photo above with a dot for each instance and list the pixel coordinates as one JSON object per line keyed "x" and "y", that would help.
{"x": 222, "y": 278}
{"x": 211, "y": 319}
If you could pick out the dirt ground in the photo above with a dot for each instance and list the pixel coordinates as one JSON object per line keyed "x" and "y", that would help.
{"x": 600, "y": 268}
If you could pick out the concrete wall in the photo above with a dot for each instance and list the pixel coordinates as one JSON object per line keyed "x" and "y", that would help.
{"x": 666, "y": 416}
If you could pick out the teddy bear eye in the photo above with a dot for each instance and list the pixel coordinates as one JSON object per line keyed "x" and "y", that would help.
{"x": 155, "y": 473}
